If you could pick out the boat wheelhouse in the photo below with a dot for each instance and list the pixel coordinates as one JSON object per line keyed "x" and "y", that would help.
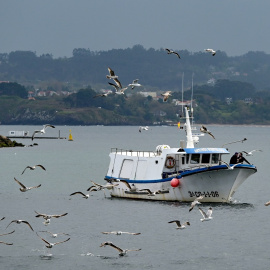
{"x": 176, "y": 174}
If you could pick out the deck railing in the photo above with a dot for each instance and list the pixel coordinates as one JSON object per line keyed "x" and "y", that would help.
{"x": 132, "y": 153}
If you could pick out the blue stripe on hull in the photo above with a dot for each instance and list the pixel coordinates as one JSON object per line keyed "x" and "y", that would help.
{"x": 182, "y": 174}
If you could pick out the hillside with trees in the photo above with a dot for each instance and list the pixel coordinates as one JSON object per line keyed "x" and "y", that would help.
{"x": 227, "y": 90}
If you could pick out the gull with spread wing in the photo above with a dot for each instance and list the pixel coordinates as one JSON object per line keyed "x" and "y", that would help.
{"x": 179, "y": 225}
{"x": 203, "y": 129}
{"x": 122, "y": 252}
{"x": 172, "y": 52}
{"x": 42, "y": 131}
{"x": 19, "y": 221}
{"x": 23, "y": 188}
{"x": 50, "y": 245}
{"x": 33, "y": 167}
{"x": 206, "y": 216}
{"x": 211, "y": 51}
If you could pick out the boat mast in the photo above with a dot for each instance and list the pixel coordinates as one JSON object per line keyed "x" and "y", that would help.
{"x": 191, "y": 107}
{"x": 190, "y": 143}
{"x": 182, "y": 92}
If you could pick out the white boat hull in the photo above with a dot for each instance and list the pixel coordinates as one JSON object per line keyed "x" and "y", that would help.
{"x": 216, "y": 185}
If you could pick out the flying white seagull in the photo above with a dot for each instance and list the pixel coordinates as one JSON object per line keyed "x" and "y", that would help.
{"x": 9, "y": 244}
{"x": 207, "y": 215}
{"x": 267, "y": 203}
{"x": 196, "y": 201}
{"x": 172, "y": 52}
{"x": 103, "y": 95}
{"x": 203, "y": 129}
{"x": 45, "y": 216}
{"x": 122, "y": 252}
{"x": 42, "y": 131}
{"x": 19, "y": 221}
{"x": 143, "y": 128}
{"x": 50, "y": 245}
{"x": 134, "y": 84}
{"x": 251, "y": 152}
{"x": 179, "y": 225}
{"x": 112, "y": 74}
{"x": 85, "y": 196}
{"x": 120, "y": 233}
{"x": 54, "y": 235}
{"x": 166, "y": 95}
{"x": 23, "y": 187}
{"x": 211, "y": 51}
{"x": 228, "y": 165}
{"x": 33, "y": 167}
{"x": 107, "y": 186}
{"x": 118, "y": 89}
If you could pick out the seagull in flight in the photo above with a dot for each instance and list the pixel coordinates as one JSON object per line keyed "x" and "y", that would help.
{"x": 104, "y": 94}
{"x": 172, "y": 52}
{"x": 50, "y": 245}
{"x": 267, "y": 203}
{"x": 2, "y": 218}
{"x": 228, "y": 165}
{"x": 120, "y": 232}
{"x": 166, "y": 95}
{"x": 118, "y": 89}
{"x": 134, "y": 84}
{"x": 207, "y": 215}
{"x": 112, "y": 74}
{"x": 93, "y": 188}
{"x": 33, "y": 167}
{"x": 42, "y": 131}
{"x": 107, "y": 186}
{"x": 143, "y": 128}
{"x": 179, "y": 225}
{"x": 54, "y": 235}
{"x": 122, "y": 252}
{"x": 85, "y": 196}
{"x": 196, "y": 201}
{"x": 45, "y": 216}
{"x": 19, "y": 221}
{"x": 23, "y": 187}
{"x": 211, "y": 51}
{"x": 203, "y": 129}
{"x": 251, "y": 152}
{"x": 9, "y": 244}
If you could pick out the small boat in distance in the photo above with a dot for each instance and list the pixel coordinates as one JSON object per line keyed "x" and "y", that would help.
{"x": 176, "y": 174}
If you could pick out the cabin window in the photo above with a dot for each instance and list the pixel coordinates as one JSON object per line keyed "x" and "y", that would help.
{"x": 205, "y": 158}
{"x": 187, "y": 158}
{"x": 215, "y": 158}
{"x": 183, "y": 160}
{"x": 195, "y": 159}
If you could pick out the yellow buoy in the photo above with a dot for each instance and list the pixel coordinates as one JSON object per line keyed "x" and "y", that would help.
{"x": 70, "y": 136}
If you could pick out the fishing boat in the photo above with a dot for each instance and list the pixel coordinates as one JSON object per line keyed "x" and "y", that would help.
{"x": 176, "y": 174}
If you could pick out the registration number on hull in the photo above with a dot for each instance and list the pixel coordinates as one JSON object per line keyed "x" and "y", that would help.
{"x": 203, "y": 193}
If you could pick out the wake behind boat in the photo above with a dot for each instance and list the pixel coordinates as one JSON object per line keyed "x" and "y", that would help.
{"x": 176, "y": 174}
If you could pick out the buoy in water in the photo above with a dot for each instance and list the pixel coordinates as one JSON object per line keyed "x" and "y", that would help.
{"x": 70, "y": 136}
{"x": 175, "y": 182}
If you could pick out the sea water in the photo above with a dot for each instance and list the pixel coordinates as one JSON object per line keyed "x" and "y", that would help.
{"x": 236, "y": 238}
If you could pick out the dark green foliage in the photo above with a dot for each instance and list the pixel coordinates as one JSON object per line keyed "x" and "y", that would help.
{"x": 12, "y": 89}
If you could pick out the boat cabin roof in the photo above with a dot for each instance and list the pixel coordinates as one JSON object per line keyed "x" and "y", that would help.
{"x": 206, "y": 150}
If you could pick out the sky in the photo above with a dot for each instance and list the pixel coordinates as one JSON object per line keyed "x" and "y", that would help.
{"x": 59, "y": 26}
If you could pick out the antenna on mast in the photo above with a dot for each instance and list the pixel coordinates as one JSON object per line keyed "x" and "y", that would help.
{"x": 182, "y": 93}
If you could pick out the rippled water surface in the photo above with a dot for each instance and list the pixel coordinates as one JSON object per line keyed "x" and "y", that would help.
{"x": 236, "y": 238}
